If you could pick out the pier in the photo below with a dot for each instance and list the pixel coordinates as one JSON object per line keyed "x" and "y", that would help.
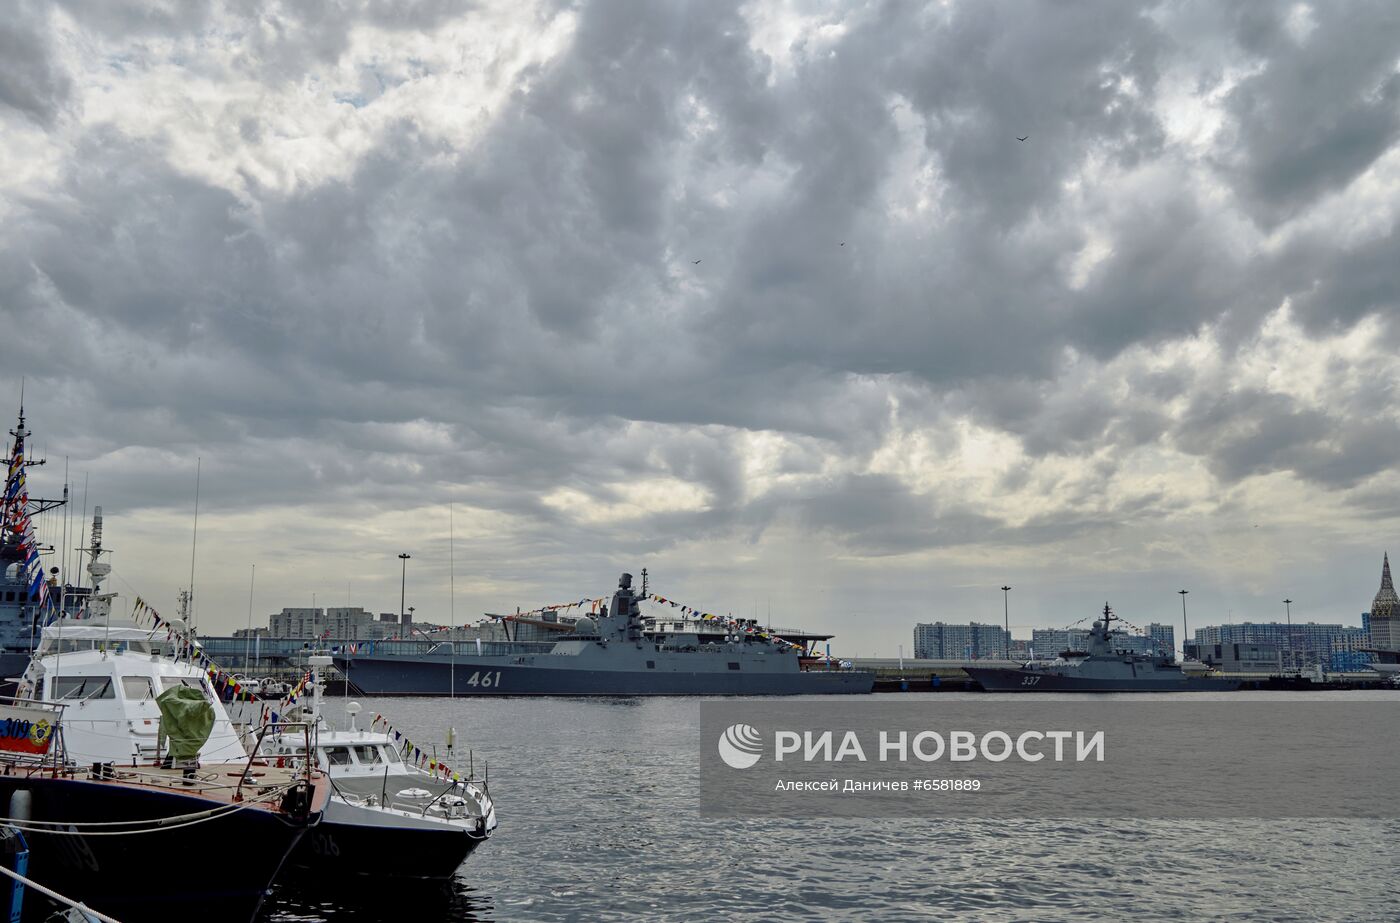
{"x": 910, "y": 675}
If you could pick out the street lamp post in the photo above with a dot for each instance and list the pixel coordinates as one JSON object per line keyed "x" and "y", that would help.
{"x": 1006, "y": 617}
{"x": 1183, "y": 623}
{"x": 1288, "y": 613}
{"x": 403, "y": 584}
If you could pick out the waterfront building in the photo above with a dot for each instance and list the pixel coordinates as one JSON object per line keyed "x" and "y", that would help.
{"x": 974, "y": 641}
{"x": 1301, "y": 646}
{"x": 1049, "y": 642}
{"x": 1384, "y": 619}
{"x": 1161, "y": 638}
{"x": 343, "y": 623}
{"x": 1237, "y": 658}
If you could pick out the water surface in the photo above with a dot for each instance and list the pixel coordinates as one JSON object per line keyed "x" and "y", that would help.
{"x": 599, "y": 808}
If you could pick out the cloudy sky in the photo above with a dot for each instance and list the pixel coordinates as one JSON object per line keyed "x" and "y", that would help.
{"x": 765, "y": 297}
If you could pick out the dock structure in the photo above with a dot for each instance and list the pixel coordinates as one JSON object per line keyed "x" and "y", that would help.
{"x": 894, "y": 674}
{"x": 908, "y": 674}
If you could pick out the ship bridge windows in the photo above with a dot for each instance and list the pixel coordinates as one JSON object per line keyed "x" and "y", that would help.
{"x": 392, "y": 756}
{"x": 82, "y": 688}
{"x": 367, "y": 755}
{"x": 138, "y": 688}
{"x": 169, "y": 682}
{"x": 337, "y": 756}
{"x": 70, "y": 645}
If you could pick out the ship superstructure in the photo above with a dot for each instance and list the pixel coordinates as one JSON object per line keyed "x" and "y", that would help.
{"x": 29, "y": 595}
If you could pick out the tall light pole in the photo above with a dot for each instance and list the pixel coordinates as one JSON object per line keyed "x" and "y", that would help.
{"x": 403, "y": 584}
{"x": 1183, "y": 622}
{"x": 248, "y": 638}
{"x": 1006, "y": 616}
{"x": 1288, "y": 613}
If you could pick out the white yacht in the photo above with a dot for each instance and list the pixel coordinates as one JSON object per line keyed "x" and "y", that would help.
{"x": 386, "y": 816}
{"x": 107, "y": 673}
{"x": 100, "y": 680}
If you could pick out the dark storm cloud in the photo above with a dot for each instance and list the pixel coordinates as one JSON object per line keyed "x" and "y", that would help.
{"x": 1076, "y": 78}
{"x": 32, "y": 81}
{"x": 1339, "y": 286}
{"x": 1249, "y": 432}
{"x": 522, "y": 314}
{"x": 1320, "y": 110}
{"x": 876, "y": 515}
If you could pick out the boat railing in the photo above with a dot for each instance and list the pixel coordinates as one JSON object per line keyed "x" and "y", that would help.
{"x": 462, "y": 784}
{"x": 255, "y": 756}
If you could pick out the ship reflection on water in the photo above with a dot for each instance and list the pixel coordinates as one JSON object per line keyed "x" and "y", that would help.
{"x": 371, "y": 901}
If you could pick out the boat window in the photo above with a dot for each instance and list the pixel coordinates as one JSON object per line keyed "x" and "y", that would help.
{"x": 138, "y": 688}
{"x": 338, "y": 756}
{"x": 83, "y": 687}
{"x": 392, "y": 756}
{"x": 733, "y": 665}
{"x": 367, "y": 756}
{"x": 169, "y": 682}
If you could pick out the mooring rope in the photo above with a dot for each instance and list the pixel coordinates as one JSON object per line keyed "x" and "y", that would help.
{"x": 82, "y": 908}
{"x": 157, "y": 823}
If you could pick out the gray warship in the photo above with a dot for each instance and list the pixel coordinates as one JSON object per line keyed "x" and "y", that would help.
{"x": 618, "y": 652}
{"x": 1102, "y": 668}
{"x": 29, "y": 597}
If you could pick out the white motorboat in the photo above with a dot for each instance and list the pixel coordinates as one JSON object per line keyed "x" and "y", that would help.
{"x": 386, "y": 815}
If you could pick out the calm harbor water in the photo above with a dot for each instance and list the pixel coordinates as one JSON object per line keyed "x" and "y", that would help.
{"x": 598, "y": 801}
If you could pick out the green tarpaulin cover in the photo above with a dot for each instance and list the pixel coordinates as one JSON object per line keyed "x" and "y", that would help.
{"x": 186, "y": 720}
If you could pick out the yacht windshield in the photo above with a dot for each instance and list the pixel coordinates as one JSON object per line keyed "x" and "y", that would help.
{"x": 367, "y": 756}
{"x": 83, "y": 687}
{"x": 169, "y": 682}
{"x": 338, "y": 756}
{"x": 138, "y": 688}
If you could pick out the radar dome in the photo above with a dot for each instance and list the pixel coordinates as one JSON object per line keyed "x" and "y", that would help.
{"x": 585, "y": 626}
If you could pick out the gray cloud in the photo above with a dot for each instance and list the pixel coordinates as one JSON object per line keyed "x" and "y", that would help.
{"x": 908, "y": 333}
{"x": 32, "y": 81}
{"x": 1320, "y": 110}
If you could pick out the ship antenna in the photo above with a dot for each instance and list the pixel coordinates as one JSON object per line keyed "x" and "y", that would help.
{"x": 194, "y": 539}
{"x": 644, "y": 583}
{"x": 63, "y": 588}
{"x": 451, "y": 605}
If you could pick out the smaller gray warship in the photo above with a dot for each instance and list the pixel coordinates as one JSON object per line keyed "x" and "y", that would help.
{"x": 1102, "y": 668}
